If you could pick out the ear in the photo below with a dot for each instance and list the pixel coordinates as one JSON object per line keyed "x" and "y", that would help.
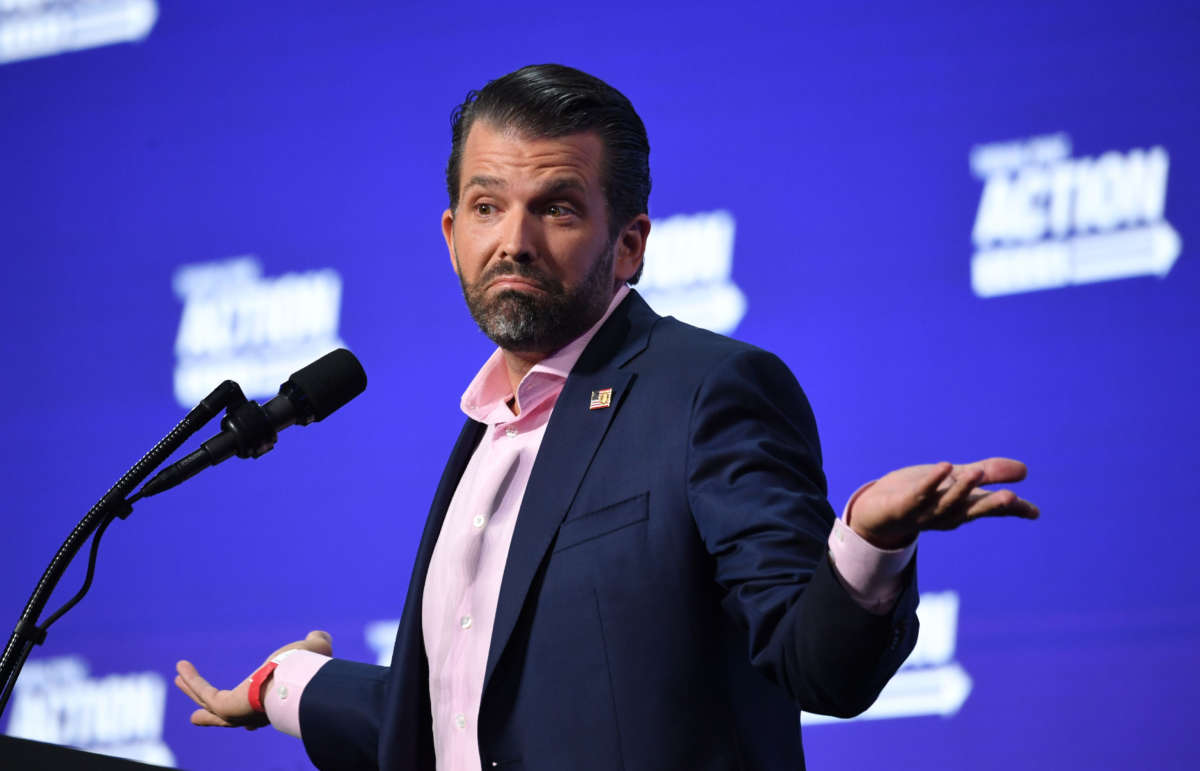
{"x": 448, "y": 234}
{"x": 631, "y": 248}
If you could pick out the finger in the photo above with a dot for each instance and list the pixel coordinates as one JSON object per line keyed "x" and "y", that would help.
{"x": 996, "y": 470}
{"x": 182, "y": 685}
{"x": 319, "y": 641}
{"x": 206, "y": 718}
{"x": 956, "y": 498}
{"x": 928, "y": 486}
{"x": 1001, "y": 503}
{"x": 200, "y": 689}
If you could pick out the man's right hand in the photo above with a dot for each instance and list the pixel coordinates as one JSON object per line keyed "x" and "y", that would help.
{"x": 232, "y": 708}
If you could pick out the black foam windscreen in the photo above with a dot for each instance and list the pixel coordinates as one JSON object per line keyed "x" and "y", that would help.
{"x": 325, "y": 385}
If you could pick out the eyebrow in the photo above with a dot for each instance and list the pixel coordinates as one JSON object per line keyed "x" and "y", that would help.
{"x": 555, "y": 187}
{"x": 480, "y": 180}
{"x": 563, "y": 185}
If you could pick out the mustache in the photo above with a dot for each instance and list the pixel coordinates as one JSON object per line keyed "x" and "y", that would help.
{"x": 521, "y": 270}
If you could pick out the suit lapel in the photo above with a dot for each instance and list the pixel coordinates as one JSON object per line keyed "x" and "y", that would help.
{"x": 572, "y": 437}
{"x": 468, "y": 439}
{"x": 410, "y": 641}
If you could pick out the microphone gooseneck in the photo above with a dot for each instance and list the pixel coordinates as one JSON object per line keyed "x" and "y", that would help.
{"x": 250, "y": 430}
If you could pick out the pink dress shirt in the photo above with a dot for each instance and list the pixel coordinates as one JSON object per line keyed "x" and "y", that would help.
{"x": 463, "y": 583}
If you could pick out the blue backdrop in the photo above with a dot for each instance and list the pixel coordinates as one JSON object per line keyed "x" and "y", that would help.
{"x": 970, "y": 231}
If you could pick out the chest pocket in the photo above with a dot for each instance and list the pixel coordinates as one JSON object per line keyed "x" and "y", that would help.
{"x": 603, "y": 521}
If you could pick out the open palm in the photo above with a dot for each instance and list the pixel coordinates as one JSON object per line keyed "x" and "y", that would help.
{"x": 231, "y": 708}
{"x": 936, "y": 496}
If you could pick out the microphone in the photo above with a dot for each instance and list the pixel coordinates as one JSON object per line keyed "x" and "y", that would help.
{"x": 249, "y": 430}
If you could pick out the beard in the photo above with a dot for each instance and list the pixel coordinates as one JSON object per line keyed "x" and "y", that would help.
{"x": 544, "y": 322}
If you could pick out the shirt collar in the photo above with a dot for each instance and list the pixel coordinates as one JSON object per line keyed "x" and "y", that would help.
{"x": 486, "y": 398}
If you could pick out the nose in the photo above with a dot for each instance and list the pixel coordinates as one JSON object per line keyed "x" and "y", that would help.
{"x": 520, "y": 237}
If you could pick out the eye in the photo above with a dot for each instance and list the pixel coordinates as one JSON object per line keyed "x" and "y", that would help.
{"x": 484, "y": 209}
{"x": 558, "y": 210}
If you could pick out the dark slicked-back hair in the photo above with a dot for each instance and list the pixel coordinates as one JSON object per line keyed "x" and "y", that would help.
{"x": 551, "y": 100}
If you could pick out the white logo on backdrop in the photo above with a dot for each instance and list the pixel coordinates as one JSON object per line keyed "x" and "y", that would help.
{"x": 33, "y": 28}
{"x": 121, "y": 715}
{"x": 239, "y": 325}
{"x": 1047, "y": 220}
{"x": 381, "y": 639}
{"x": 689, "y": 260}
{"x": 930, "y": 682}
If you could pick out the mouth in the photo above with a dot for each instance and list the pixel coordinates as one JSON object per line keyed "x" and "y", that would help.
{"x": 514, "y": 282}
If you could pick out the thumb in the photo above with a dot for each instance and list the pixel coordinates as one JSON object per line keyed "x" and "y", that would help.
{"x": 319, "y": 641}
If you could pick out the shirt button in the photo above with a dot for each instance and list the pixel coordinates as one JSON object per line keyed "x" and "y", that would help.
{"x": 465, "y": 622}
{"x": 460, "y": 721}
{"x": 478, "y": 521}
{"x": 510, "y": 431}
{"x": 283, "y": 693}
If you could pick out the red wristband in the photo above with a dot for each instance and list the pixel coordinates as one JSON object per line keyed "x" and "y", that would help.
{"x": 256, "y": 683}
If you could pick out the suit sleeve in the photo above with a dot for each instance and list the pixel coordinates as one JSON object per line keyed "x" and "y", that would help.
{"x": 758, "y": 497}
{"x": 340, "y": 713}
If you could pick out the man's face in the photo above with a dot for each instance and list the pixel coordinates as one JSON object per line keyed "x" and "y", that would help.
{"x": 529, "y": 240}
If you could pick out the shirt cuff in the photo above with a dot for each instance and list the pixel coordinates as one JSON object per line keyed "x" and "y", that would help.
{"x": 870, "y": 575}
{"x": 282, "y": 698}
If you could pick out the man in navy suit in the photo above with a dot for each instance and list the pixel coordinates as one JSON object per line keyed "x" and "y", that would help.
{"x": 630, "y": 561}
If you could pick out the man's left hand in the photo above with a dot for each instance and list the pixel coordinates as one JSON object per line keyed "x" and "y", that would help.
{"x": 939, "y": 496}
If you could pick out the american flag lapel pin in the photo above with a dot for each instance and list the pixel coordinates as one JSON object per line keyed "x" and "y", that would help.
{"x": 600, "y": 399}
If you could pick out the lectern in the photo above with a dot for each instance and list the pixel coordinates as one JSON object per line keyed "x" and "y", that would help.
{"x": 26, "y": 755}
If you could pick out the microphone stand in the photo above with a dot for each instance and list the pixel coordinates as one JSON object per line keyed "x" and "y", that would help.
{"x": 27, "y": 632}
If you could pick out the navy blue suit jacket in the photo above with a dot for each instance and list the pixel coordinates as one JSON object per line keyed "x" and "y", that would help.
{"x": 667, "y": 602}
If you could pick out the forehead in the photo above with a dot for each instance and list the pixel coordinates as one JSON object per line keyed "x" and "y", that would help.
{"x": 508, "y": 156}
